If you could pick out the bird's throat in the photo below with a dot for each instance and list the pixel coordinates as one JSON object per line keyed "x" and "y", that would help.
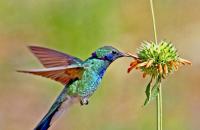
{"x": 97, "y": 65}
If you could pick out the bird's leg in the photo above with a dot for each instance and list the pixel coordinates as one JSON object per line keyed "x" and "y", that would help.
{"x": 84, "y": 101}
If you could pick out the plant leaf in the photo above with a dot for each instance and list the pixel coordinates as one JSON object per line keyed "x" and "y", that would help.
{"x": 148, "y": 93}
{"x": 152, "y": 93}
{"x": 155, "y": 91}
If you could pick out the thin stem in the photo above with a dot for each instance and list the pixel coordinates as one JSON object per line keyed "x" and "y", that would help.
{"x": 160, "y": 105}
{"x": 159, "y": 97}
{"x": 154, "y": 22}
{"x": 159, "y": 109}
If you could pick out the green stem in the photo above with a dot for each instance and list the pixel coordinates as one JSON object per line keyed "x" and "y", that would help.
{"x": 159, "y": 109}
{"x": 154, "y": 22}
{"x": 159, "y": 97}
{"x": 158, "y": 112}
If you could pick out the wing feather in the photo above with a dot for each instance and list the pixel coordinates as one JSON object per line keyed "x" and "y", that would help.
{"x": 60, "y": 74}
{"x": 52, "y": 58}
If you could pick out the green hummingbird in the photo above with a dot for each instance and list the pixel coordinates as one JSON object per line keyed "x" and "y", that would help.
{"x": 80, "y": 78}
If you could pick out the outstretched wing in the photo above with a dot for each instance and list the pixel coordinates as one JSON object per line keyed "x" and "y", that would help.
{"x": 60, "y": 74}
{"x": 52, "y": 58}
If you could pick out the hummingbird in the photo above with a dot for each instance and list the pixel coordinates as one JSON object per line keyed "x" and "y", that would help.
{"x": 79, "y": 78}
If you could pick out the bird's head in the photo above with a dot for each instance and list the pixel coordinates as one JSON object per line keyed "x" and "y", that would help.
{"x": 108, "y": 53}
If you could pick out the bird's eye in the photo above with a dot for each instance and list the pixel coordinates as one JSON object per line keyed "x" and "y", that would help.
{"x": 114, "y": 52}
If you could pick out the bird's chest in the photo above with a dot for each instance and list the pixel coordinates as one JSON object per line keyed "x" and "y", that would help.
{"x": 89, "y": 82}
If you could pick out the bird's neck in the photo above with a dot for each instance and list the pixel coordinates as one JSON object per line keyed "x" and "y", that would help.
{"x": 97, "y": 65}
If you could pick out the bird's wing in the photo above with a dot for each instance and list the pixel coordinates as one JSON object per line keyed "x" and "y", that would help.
{"x": 52, "y": 58}
{"x": 60, "y": 74}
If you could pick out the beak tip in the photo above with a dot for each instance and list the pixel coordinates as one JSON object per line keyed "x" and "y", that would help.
{"x": 127, "y": 54}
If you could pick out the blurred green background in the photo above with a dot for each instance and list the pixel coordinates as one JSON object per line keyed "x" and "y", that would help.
{"x": 78, "y": 27}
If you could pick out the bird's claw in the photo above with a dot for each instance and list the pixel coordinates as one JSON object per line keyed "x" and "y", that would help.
{"x": 84, "y": 102}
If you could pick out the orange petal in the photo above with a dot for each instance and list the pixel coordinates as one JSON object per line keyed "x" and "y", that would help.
{"x": 164, "y": 76}
{"x": 171, "y": 64}
{"x": 132, "y": 55}
{"x": 132, "y": 66}
{"x": 165, "y": 69}
{"x": 134, "y": 63}
{"x": 149, "y": 63}
{"x": 144, "y": 75}
{"x": 129, "y": 69}
{"x": 142, "y": 64}
{"x": 160, "y": 69}
{"x": 175, "y": 65}
{"x": 183, "y": 61}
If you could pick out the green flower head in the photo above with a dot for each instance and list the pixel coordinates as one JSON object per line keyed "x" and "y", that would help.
{"x": 157, "y": 59}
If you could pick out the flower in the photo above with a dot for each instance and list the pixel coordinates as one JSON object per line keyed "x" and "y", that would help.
{"x": 157, "y": 59}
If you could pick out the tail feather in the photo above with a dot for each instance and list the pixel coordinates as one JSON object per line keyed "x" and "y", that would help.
{"x": 45, "y": 123}
{"x": 60, "y": 105}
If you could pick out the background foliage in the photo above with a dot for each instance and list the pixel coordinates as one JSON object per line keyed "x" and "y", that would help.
{"x": 79, "y": 27}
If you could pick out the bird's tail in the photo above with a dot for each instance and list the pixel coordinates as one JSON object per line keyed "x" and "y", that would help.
{"x": 60, "y": 105}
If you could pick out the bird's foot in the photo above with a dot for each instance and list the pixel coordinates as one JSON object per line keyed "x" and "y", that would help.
{"x": 84, "y": 101}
